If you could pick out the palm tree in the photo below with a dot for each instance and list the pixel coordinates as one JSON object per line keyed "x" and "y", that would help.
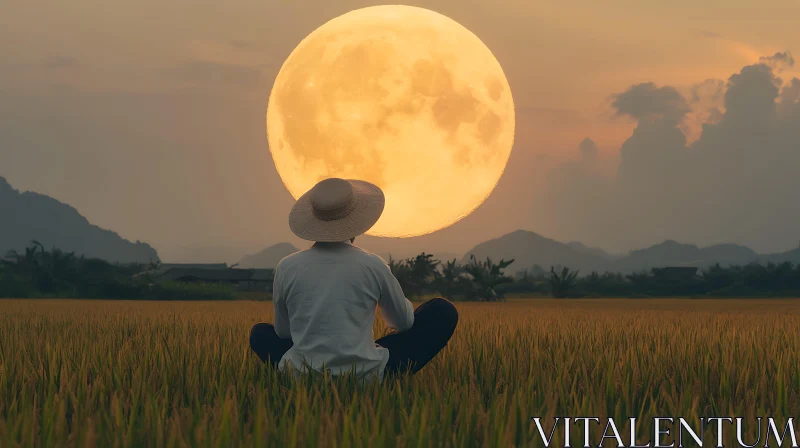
{"x": 561, "y": 284}
{"x": 28, "y": 263}
{"x": 485, "y": 277}
{"x": 418, "y": 273}
{"x": 447, "y": 278}
{"x": 57, "y": 270}
{"x": 402, "y": 272}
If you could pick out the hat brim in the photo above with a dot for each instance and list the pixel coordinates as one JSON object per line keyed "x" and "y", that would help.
{"x": 370, "y": 202}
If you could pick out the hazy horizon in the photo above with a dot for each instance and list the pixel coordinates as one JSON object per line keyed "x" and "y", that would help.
{"x": 635, "y": 123}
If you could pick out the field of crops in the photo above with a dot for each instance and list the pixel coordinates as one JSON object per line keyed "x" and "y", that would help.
{"x": 112, "y": 373}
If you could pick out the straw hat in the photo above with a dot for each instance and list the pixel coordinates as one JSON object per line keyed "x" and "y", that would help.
{"x": 336, "y": 210}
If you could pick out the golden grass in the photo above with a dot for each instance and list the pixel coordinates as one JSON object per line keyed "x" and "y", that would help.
{"x": 114, "y": 373}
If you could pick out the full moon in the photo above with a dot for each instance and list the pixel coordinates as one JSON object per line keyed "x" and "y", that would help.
{"x": 399, "y": 96}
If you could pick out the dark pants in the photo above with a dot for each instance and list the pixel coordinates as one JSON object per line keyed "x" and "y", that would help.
{"x": 434, "y": 324}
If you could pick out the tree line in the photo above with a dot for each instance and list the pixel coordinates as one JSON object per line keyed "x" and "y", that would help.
{"x": 485, "y": 280}
{"x": 37, "y": 272}
{"x": 478, "y": 280}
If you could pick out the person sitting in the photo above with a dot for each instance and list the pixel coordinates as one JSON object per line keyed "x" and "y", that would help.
{"x": 325, "y": 296}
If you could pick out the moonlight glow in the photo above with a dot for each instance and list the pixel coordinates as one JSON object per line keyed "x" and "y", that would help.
{"x": 399, "y": 96}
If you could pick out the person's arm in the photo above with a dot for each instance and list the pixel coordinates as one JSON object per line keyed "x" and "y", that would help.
{"x": 279, "y": 304}
{"x": 396, "y": 309}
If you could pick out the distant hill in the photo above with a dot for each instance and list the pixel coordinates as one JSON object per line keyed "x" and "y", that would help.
{"x": 580, "y": 247}
{"x": 33, "y": 216}
{"x": 672, "y": 253}
{"x": 529, "y": 249}
{"x": 267, "y": 258}
{"x": 792, "y": 256}
{"x": 400, "y": 248}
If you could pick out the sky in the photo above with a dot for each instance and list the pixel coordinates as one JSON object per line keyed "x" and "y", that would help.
{"x": 148, "y": 117}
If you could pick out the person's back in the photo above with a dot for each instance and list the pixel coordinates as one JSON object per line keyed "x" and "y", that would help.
{"x": 329, "y": 294}
{"x": 325, "y": 296}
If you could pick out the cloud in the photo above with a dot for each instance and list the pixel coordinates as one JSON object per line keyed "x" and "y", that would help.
{"x": 736, "y": 182}
{"x": 707, "y": 102}
{"x": 578, "y": 194}
{"x": 751, "y": 94}
{"x": 588, "y": 150}
{"x": 779, "y": 61}
{"x": 648, "y": 102}
{"x": 708, "y": 90}
{"x": 790, "y": 98}
{"x": 656, "y": 141}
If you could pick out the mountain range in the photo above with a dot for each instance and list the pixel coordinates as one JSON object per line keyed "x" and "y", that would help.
{"x": 32, "y": 216}
{"x": 529, "y": 249}
{"x": 267, "y": 258}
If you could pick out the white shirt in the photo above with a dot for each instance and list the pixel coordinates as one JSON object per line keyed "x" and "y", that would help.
{"x": 325, "y": 299}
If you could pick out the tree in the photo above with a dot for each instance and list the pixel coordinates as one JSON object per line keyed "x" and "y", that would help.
{"x": 421, "y": 273}
{"x": 57, "y": 271}
{"x": 402, "y": 272}
{"x": 447, "y": 279}
{"x": 562, "y": 284}
{"x": 25, "y": 264}
{"x": 717, "y": 277}
{"x": 592, "y": 283}
{"x": 485, "y": 277}
{"x": 415, "y": 274}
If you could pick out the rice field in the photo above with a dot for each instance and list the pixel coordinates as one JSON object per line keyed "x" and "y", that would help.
{"x": 172, "y": 374}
